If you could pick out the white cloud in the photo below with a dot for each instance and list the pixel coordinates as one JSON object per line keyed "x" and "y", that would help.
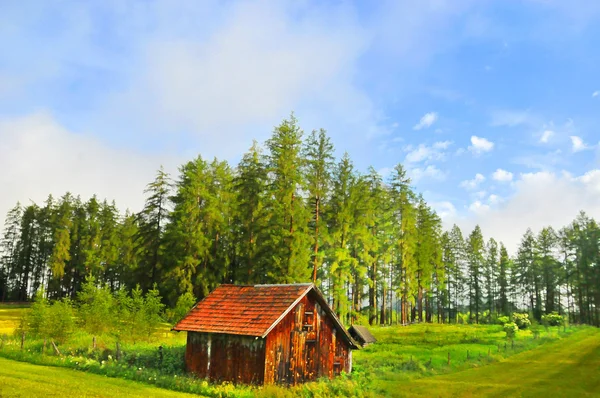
{"x": 502, "y": 175}
{"x": 595, "y": 93}
{"x": 429, "y": 172}
{"x": 546, "y": 135}
{"x": 474, "y": 183}
{"x": 541, "y": 199}
{"x": 493, "y": 199}
{"x": 426, "y": 121}
{"x": 480, "y": 145}
{"x": 578, "y": 144}
{"x": 45, "y": 158}
{"x": 426, "y": 153}
{"x": 479, "y": 208}
{"x": 513, "y": 118}
{"x": 442, "y": 144}
{"x": 444, "y": 209}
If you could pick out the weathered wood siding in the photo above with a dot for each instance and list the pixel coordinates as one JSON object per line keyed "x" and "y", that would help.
{"x": 226, "y": 357}
{"x": 304, "y": 346}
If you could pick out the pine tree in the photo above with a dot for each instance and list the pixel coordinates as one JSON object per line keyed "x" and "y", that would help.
{"x": 61, "y": 254}
{"x": 9, "y": 249}
{"x": 187, "y": 240}
{"x": 550, "y": 272}
{"x": 251, "y": 217}
{"x": 151, "y": 225}
{"x": 318, "y": 152}
{"x": 109, "y": 245}
{"x": 339, "y": 218}
{"x": 527, "y": 272}
{"x": 489, "y": 276}
{"x": 288, "y": 225}
{"x": 503, "y": 281}
{"x": 404, "y": 233}
{"x": 475, "y": 260}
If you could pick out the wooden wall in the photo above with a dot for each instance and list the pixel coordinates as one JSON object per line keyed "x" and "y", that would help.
{"x": 304, "y": 346}
{"x": 225, "y": 357}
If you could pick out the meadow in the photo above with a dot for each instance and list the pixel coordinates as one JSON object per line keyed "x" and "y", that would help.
{"x": 416, "y": 360}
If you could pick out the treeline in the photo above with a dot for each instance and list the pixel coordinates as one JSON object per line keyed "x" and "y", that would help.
{"x": 290, "y": 212}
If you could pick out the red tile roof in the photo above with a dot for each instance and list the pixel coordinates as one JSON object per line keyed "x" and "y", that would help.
{"x": 243, "y": 310}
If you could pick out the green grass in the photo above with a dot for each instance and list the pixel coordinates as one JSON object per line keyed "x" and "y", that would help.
{"x": 406, "y": 353}
{"x": 406, "y": 361}
{"x": 9, "y": 317}
{"x": 566, "y": 368}
{"x": 19, "y": 379}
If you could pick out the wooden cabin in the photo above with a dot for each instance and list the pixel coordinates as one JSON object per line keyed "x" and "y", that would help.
{"x": 361, "y": 335}
{"x": 265, "y": 334}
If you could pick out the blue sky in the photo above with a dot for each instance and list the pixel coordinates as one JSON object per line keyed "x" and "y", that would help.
{"x": 493, "y": 106}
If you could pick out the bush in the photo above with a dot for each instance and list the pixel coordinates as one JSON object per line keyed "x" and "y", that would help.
{"x": 48, "y": 321}
{"x": 502, "y": 320}
{"x": 96, "y": 307}
{"x": 511, "y": 330}
{"x": 522, "y": 320}
{"x": 138, "y": 316}
{"x": 553, "y": 319}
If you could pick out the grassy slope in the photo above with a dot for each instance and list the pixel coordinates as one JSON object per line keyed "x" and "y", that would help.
{"x": 19, "y": 379}
{"x": 567, "y": 368}
{"x": 9, "y": 318}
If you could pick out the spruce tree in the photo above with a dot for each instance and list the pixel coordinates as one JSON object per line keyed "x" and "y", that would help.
{"x": 151, "y": 225}
{"x": 251, "y": 217}
{"x": 318, "y": 154}
{"x": 288, "y": 224}
{"x": 475, "y": 260}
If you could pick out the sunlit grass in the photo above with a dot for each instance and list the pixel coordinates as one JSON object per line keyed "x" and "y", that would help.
{"x": 406, "y": 361}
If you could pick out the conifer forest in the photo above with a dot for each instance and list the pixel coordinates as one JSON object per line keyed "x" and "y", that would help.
{"x": 289, "y": 211}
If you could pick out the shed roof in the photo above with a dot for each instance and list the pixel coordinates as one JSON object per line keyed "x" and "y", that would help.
{"x": 250, "y": 310}
{"x": 362, "y": 334}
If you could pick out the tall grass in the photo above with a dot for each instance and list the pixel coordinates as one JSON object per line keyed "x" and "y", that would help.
{"x": 400, "y": 354}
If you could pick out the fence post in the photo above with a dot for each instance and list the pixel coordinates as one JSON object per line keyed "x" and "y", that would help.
{"x": 55, "y": 348}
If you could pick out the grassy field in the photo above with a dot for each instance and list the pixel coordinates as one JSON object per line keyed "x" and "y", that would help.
{"x": 567, "y": 368}
{"x": 406, "y": 361}
{"x": 19, "y": 379}
{"x": 9, "y": 317}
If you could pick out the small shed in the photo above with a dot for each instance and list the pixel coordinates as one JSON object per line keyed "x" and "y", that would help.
{"x": 361, "y": 335}
{"x": 265, "y": 334}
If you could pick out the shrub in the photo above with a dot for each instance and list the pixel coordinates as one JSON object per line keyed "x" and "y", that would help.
{"x": 522, "y": 320}
{"x": 502, "y": 320}
{"x": 96, "y": 307}
{"x": 511, "y": 330}
{"x": 48, "y": 321}
{"x": 553, "y": 319}
{"x": 139, "y": 316}
{"x": 60, "y": 323}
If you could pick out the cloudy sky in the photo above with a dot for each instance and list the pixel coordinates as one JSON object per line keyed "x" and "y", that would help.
{"x": 492, "y": 105}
